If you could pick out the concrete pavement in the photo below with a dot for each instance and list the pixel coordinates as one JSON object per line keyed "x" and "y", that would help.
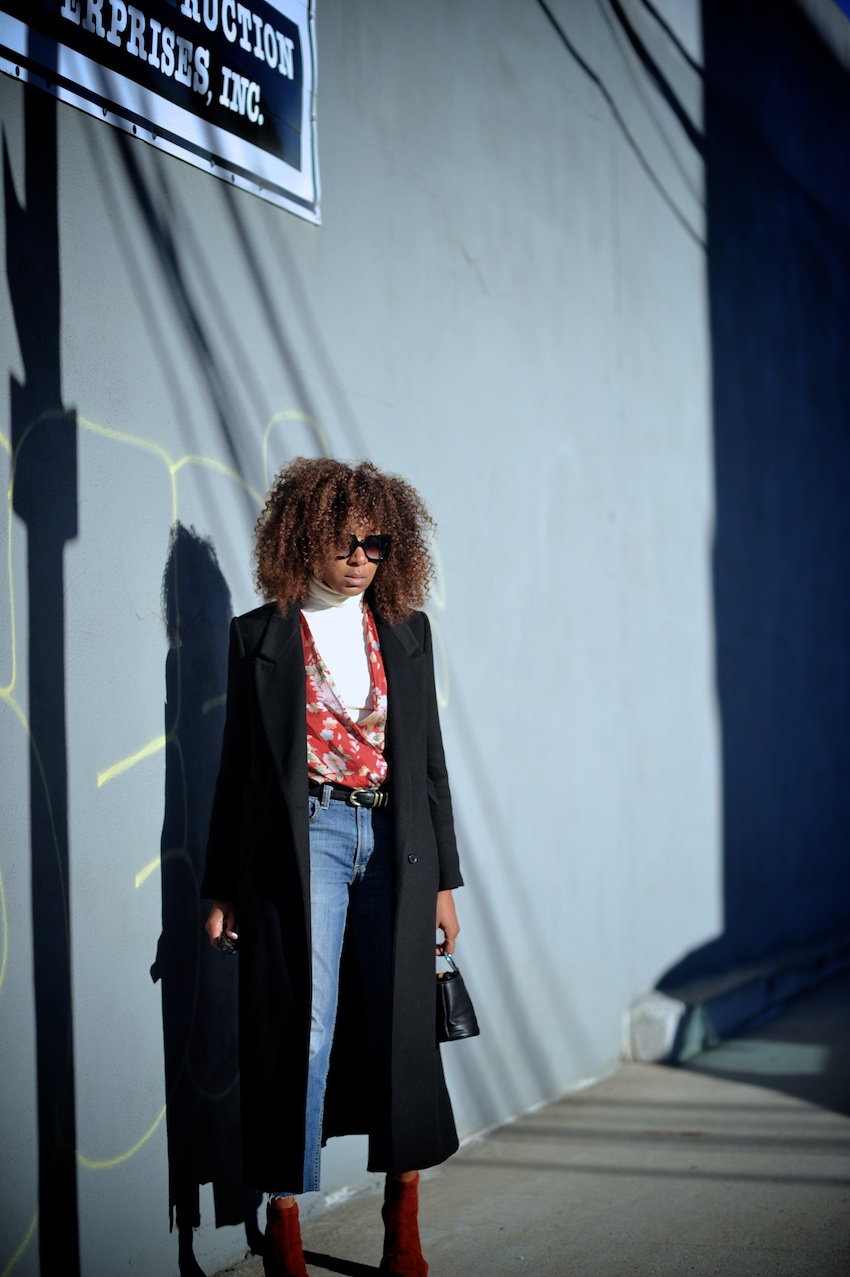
{"x": 736, "y": 1165}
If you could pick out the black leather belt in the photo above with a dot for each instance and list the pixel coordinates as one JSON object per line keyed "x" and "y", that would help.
{"x": 353, "y": 797}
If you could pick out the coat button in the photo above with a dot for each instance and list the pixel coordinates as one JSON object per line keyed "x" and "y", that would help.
{"x": 412, "y": 860}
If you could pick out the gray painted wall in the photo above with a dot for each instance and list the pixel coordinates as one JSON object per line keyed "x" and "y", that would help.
{"x": 507, "y": 302}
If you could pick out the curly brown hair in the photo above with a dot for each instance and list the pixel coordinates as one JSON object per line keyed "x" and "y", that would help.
{"x": 315, "y": 499}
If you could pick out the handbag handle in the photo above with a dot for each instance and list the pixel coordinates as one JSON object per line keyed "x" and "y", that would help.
{"x": 448, "y": 957}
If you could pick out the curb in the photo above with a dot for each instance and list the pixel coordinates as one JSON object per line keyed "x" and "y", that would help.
{"x": 674, "y": 1026}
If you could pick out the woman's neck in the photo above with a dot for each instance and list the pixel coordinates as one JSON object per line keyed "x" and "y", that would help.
{"x": 320, "y": 596}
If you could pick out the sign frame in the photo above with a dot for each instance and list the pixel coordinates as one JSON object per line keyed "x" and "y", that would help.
{"x": 174, "y": 120}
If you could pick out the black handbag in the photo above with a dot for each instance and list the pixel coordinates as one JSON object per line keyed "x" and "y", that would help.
{"x": 455, "y": 1012}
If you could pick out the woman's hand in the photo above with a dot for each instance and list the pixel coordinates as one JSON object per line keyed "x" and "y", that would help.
{"x": 447, "y": 920}
{"x": 222, "y": 918}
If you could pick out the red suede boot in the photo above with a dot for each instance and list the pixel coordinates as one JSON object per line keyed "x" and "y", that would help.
{"x": 283, "y": 1254}
{"x": 402, "y": 1251}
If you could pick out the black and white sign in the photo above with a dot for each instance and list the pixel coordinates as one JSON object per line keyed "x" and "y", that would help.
{"x": 229, "y": 87}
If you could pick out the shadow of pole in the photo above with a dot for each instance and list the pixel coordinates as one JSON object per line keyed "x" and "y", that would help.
{"x": 44, "y": 445}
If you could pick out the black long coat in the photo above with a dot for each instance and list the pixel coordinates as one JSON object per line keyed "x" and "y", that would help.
{"x": 258, "y": 857}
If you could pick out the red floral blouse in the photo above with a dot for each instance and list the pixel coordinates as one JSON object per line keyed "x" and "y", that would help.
{"x": 340, "y": 751}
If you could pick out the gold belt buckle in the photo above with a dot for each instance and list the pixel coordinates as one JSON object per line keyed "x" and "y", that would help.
{"x": 378, "y": 799}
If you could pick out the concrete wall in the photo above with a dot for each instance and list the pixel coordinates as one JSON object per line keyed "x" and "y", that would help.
{"x": 507, "y": 302}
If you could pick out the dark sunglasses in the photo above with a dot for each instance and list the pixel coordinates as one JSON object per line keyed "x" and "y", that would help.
{"x": 375, "y": 547}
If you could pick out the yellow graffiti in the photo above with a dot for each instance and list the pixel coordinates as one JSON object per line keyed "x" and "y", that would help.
{"x": 118, "y": 769}
{"x": 121, "y": 436}
{"x": 106, "y": 1163}
{"x": 208, "y": 463}
{"x": 174, "y": 468}
{"x": 292, "y": 416}
{"x": 144, "y": 874}
{"x": 19, "y": 1252}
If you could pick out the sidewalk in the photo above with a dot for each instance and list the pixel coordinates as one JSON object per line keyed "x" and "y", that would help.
{"x": 736, "y": 1165}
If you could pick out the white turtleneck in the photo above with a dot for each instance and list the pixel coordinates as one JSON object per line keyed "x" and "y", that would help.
{"x": 336, "y": 623}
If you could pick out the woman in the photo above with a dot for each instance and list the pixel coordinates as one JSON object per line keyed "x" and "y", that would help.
{"x": 332, "y": 852}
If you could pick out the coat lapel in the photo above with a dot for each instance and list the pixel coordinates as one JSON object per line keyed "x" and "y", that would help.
{"x": 401, "y": 655}
{"x": 281, "y": 695}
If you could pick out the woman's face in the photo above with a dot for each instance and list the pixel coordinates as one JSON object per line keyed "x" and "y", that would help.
{"x": 348, "y": 573}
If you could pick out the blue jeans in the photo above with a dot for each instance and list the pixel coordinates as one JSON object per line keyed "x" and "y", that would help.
{"x": 350, "y": 879}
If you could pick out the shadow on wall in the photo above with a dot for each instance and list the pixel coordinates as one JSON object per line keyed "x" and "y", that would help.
{"x": 198, "y": 984}
{"x": 777, "y": 112}
{"x": 44, "y": 449}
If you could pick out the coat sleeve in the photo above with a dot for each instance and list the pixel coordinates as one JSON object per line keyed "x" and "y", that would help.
{"x": 221, "y": 874}
{"x": 438, "y": 781}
